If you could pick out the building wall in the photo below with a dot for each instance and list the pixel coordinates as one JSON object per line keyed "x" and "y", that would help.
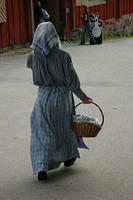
{"x": 112, "y": 9}
{"x": 116, "y": 14}
{"x": 68, "y": 4}
{"x": 17, "y": 29}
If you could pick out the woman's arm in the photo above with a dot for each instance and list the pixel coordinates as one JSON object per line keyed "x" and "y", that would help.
{"x": 73, "y": 82}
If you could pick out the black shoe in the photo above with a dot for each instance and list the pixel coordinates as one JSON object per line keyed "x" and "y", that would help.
{"x": 70, "y": 162}
{"x": 42, "y": 176}
{"x": 82, "y": 44}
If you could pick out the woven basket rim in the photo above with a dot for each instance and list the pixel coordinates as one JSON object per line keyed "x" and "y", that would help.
{"x": 87, "y": 123}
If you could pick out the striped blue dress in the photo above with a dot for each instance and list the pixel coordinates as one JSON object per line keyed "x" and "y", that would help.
{"x": 52, "y": 138}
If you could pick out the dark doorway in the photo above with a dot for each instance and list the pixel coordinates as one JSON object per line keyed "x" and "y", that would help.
{"x": 56, "y": 10}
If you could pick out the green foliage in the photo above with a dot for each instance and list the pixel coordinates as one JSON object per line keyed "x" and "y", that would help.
{"x": 22, "y": 52}
{"x": 114, "y": 37}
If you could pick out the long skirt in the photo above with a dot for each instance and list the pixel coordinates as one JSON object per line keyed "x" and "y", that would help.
{"x": 52, "y": 138}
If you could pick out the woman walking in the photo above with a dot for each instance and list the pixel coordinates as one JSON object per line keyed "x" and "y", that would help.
{"x": 52, "y": 138}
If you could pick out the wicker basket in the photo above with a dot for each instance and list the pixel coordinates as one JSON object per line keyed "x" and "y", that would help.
{"x": 84, "y": 129}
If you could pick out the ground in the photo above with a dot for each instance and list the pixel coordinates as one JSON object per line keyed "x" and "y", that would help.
{"x": 105, "y": 172}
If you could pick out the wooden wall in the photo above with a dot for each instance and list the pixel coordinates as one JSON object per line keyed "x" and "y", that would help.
{"x": 112, "y": 9}
{"x": 17, "y": 29}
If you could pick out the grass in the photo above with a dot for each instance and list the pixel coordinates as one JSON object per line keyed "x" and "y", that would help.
{"x": 116, "y": 37}
{"x": 78, "y": 41}
{"x": 22, "y": 52}
{"x": 104, "y": 38}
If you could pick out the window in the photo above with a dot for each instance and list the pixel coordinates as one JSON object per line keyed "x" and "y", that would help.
{"x": 3, "y": 17}
{"x": 89, "y": 2}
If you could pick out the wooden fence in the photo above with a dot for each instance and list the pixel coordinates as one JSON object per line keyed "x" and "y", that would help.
{"x": 17, "y": 29}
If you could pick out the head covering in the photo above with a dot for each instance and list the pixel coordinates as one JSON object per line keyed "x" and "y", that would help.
{"x": 45, "y": 38}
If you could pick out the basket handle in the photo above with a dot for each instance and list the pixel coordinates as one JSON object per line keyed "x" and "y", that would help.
{"x": 97, "y": 107}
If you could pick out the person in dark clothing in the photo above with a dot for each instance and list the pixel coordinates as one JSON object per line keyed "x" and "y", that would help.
{"x": 41, "y": 15}
{"x": 86, "y": 27}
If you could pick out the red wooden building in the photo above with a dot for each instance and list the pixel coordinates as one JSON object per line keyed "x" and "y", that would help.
{"x": 17, "y": 21}
{"x": 15, "y": 29}
{"x": 108, "y": 9}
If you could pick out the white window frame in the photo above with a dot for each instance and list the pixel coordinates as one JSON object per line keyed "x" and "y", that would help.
{"x": 90, "y": 3}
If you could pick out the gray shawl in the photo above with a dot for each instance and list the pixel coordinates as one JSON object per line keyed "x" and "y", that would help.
{"x": 45, "y": 38}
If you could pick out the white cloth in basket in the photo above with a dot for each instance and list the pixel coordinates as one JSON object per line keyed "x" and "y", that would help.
{"x": 83, "y": 118}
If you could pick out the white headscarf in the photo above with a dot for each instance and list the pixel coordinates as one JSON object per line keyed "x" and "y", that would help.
{"x": 45, "y": 38}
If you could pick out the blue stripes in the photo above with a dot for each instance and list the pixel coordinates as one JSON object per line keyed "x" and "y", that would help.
{"x": 52, "y": 138}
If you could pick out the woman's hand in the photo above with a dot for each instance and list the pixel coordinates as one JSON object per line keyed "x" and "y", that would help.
{"x": 88, "y": 100}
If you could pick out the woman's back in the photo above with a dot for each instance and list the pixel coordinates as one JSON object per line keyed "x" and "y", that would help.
{"x": 49, "y": 70}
